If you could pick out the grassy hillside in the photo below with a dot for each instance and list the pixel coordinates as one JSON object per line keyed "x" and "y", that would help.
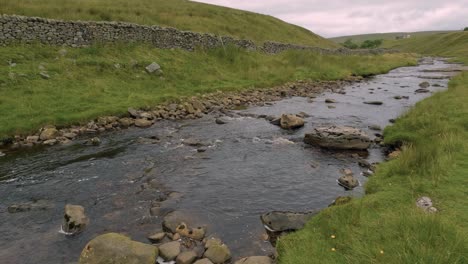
{"x": 181, "y": 14}
{"x": 384, "y": 36}
{"x": 385, "y": 226}
{"x": 86, "y": 84}
{"x": 443, "y": 44}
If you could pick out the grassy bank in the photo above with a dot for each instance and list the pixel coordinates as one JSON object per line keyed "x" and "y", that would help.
{"x": 385, "y": 226}
{"x": 100, "y": 80}
{"x": 181, "y": 14}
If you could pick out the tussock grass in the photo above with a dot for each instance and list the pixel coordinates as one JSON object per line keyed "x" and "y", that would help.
{"x": 181, "y": 14}
{"x": 434, "y": 163}
{"x": 86, "y": 83}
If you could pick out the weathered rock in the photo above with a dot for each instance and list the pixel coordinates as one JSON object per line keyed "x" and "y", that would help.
{"x": 70, "y": 135}
{"x": 133, "y": 112}
{"x": 276, "y": 122}
{"x": 126, "y": 122}
{"x": 95, "y": 141}
{"x": 291, "y": 122}
{"x": 117, "y": 249}
{"x": 169, "y": 251}
{"x": 74, "y": 219}
{"x": 424, "y": 85}
{"x": 143, "y": 123}
{"x": 330, "y": 101}
{"x": 157, "y": 237}
{"x": 336, "y": 137}
{"x": 32, "y": 139}
{"x": 153, "y": 67}
{"x": 373, "y": 102}
{"x": 187, "y": 257}
{"x": 193, "y": 233}
{"x": 425, "y": 203}
{"x": 50, "y": 142}
{"x": 212, "y": 241}
{"x": 255, "y": 260}
{"x": 203, "y": 261}
{"x": 422, "y": 91}
{"x": 221, "y": 121}
{"x": 172, "y": 220}
{"x": 218, "y": 254}
{"x": 285, "y": 221}
{"x": 49, "y": 133}
{"x": 348, "y": 181}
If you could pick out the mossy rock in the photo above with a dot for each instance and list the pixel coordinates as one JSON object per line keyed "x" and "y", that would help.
{"x": 113, "y": 248}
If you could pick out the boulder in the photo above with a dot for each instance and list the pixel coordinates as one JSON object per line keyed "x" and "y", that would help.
{"x": 117, "y": 249}
{"x": 32, "y": 139}
{"x": 424, "y": 85}
{"x": 49, "y": 133}
{"x": 193, "y": 233}
{"x": 221, "y": 121}
{"x": 422, "y": 90}
{"x": 153, "y": 67}
{"x": 330, "y": 101}
{"x": 218, "y": 254}
{"x": 291, "y": 122}
{"x": 95, "y": 141}
{"x": 141, "y": 122}
{"x": 133, "y": 112}
{"x": 203, "y": 261}
{"x": 187, "y": 257}
{"x": 169, "y": 251}
{"x": 336, "y": 137}
{"x": 74, "y": 219}
{"x": 285, "y": 221}
{"x": 157, "y": 237}
{"x": 126, "y": 122}
{"x": 425, "y": 203}
{"x": 255, "y": 260}
{"x": 172, "y": 220}
{"x": 348, "y": 181}
{"x": 212, "y": 241}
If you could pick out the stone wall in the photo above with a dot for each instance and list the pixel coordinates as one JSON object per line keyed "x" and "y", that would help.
{"x": 14, "y": 29}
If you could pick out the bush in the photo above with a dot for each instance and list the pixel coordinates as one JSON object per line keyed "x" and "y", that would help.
{"x": 466, "y": 29}
{"x": 371, "y": 44}
{"x": 350, "y": 44}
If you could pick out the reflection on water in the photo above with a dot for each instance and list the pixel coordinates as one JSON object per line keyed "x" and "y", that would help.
{"x": 248, "y": 167}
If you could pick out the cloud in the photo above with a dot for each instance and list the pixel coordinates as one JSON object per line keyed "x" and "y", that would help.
{"x": 337, "y": 18}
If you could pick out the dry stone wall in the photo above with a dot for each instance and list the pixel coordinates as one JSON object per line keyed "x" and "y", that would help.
{"x": 21, "y": 29}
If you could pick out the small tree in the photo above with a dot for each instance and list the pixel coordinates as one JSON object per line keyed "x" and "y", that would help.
{"x": 350, "y": 44}
{"x": 466, "y": 29}
{"x": 371, "y": 44}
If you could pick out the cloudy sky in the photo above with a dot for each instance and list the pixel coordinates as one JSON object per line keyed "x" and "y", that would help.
{"x": 331, "y": 18}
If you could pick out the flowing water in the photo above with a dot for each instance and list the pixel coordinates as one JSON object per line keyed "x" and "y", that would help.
{"x": 249, "y": 167}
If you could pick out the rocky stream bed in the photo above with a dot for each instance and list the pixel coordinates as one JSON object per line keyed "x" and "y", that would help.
{"x": 218, "y": 175}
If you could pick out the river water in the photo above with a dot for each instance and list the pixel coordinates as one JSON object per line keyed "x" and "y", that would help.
{"x": 249, "y": 167}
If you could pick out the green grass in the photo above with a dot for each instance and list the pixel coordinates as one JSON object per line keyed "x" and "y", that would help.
{"x": 434, "y": 163}
{"x": 443, "y": 44}
{"x": 85, "y": 83}
{"x": 384, "y": 36}
{"x": 181, "y": 14}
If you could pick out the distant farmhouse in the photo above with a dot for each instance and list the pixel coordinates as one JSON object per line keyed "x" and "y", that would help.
{"x": 403, "y": 36}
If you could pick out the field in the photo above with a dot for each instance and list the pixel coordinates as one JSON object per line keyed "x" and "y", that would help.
{"x": 181, "y": 14}
{"x": 384, "y": 36}
{"x": 99, "y": 80}
{"x": 385, "y": 226}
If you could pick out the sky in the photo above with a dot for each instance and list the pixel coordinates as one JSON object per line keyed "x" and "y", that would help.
{"x": 332, "y": 18}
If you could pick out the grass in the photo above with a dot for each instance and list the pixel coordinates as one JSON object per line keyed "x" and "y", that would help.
{"x": 453, "y": 45}
{"x": 385, "y": 226}
{"x": 86, "y": 84}
{"x": 181, "y": 14}
{"x": 384, "y": 36}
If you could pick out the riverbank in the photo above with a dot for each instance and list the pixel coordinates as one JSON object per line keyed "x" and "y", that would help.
{"x": 386, "y": 226}
{"x": 64, "y": 87}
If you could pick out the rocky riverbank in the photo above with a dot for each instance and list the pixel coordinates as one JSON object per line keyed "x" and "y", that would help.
{"x": 186, "y": 108}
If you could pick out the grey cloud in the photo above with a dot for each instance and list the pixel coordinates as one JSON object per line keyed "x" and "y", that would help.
{"x": 336, "y": 17}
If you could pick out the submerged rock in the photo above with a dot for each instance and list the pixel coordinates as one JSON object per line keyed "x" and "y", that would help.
{"x": 348, "y": 181}
{"x": 373, "y": 102}
{"x": 336, "y": 137}
{"x": 330, "y": 101}
{"x": 285, "y": 221}
{"x": 30, "y": 206}
{"x": 74, "y": 219}
{"x": 117, "y": 249}
{"x": 155, "y": 238}
{"x": 291, "y": 122}
{"x": 422, "y": 91}
{"x": 424, "y": 85}
{"x": 255, "y": 260}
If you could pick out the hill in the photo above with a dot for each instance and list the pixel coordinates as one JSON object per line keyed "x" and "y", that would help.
{"x": 181, "y": 14}
{"x": 453, "y": 44}
{"x": 384, "y": 36}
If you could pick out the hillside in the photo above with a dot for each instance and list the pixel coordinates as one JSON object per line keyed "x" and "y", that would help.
{"x": 384, "y": 36}
{"x": 181, "y": 14}
{"x": 443, "y": 44}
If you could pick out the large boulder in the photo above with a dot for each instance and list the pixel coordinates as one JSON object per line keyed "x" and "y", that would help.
{"x": 218, "y": 254}
{"x": 142, "y": 122}
{"x": 74, "y": 219}
{"x": 338, "y": 137}
{"x": 169, "y": 251}
{"x": 187, "y": 257}
{"x": 291, "y": 122}
{"x": 117, "y": 249}
{"x": 348, "y": 181}
{"x": 255, "y": 260}
{"x": 285, "y": 221}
